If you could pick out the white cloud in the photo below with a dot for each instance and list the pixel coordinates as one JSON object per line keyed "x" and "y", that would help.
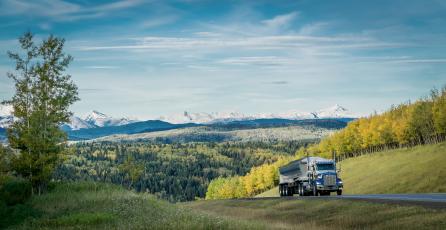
{"x": 313, "y": 28}
{"x": 101, "y": 67}
{"x": 281, "y": 21}
{"x": 282, "y": 42}
{"x": 62, "y": 10}
{"x": 261, "y": 60}
{"x": 155, "y": 22}
{"x": 207, "y": 34}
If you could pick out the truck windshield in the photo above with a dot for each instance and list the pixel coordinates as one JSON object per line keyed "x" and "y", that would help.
{"x": 321, "y": 167}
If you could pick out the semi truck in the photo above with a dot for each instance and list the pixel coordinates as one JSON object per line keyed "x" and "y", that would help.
{"x": 309, "y": 176}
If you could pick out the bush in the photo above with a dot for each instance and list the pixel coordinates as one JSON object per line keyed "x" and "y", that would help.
{"x": 15, "y": 190}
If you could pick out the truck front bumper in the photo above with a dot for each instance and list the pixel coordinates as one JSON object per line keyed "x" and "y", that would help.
{"x": 328, "y": 187}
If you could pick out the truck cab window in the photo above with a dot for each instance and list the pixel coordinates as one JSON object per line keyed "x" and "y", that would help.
{"x": 322, "y": 167}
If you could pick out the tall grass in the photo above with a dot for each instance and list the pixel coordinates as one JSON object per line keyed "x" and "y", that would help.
{"x": 324, "y": 214}
{"x": 86, "y": 205}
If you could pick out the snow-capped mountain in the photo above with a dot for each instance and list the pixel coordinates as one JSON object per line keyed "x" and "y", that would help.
{"x": 335, "y": 111}
{"x": 6, "y": 117}
{"x": 93, "y": 120}
{"x": 202, "y": 118}
{"x": 5, "y": 110}
{"x": 77, "y": 123}
{"x": 99, "y": 119}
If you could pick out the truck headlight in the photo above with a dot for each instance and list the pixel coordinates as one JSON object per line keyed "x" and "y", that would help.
{"x": 319, "y": 176}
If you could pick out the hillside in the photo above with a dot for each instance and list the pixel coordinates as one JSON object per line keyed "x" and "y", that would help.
{"x": 415, "y": 170}
{"x": 322, "y": 214}
{"x": 411, "y": 170}
{"x": 85, "y": 205}
{"x": 207, "y": 134}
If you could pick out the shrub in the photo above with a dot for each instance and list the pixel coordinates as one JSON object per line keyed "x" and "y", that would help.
{"x": 15, "y": 190}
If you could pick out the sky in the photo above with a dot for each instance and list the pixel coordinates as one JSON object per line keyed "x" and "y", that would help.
{"x": 145, "y": 59}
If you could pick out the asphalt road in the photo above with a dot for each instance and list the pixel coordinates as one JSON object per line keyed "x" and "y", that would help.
{"x": 430, "y": 197}
{"x": 428, "y": 200}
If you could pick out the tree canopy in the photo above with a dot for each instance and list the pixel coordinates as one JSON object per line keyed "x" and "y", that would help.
{"x": 43, "y": 95}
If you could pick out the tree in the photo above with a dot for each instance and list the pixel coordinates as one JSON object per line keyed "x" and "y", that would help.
{"x": 439, "y": 112}
{"x": 43, "y": 94}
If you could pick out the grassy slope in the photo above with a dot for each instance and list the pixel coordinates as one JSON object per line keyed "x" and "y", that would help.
{"x": 415, "y": 170}
{"x": 323, "y": 214}
{"x": 105, "y": 206}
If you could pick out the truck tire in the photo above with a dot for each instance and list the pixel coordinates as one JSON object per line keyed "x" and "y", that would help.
{"x": 290, "y": 191}
{"x": 299, "y": 189}
{"x": 280, "y": 191}
{"x": 339, "y": 192}
{"x": 315, "y": 192}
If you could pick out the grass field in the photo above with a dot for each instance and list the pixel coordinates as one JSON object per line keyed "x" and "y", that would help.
{"x": 323, "y": 214}
{"x": 421, "y": 169}
{"x": 104, "y": 206}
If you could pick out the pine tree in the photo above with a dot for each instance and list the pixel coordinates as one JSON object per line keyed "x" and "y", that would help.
{"x": 43, "y": 94}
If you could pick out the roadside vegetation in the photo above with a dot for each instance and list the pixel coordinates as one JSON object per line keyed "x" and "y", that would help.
{"x": 323, "y": 214}
{"x": 88, "y": 205}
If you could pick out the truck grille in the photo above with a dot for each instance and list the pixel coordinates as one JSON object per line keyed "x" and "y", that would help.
{"x": 329, "y": 180}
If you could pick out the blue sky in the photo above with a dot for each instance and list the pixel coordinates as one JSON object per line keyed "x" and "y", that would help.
{"x": 150, "y": 58}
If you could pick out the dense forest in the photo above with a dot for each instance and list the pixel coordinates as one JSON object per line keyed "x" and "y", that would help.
{"x": 405, "y": 125}
{"x": 176, "y": 172}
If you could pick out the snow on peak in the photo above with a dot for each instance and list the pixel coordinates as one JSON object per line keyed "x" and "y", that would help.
{"x": 5, "y": 110}
{"x": 77, "y": 123}
{"x": 6, "y": 117}
{"x": 335, "y": 111}
{"x": 99, "y": 119}
{"x": 202, "y": 117}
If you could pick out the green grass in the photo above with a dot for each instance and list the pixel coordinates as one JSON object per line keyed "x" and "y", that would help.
{"x": 85, "y": 205}
{"x": 420, "y": 169}
{"x": 323, "y": 214}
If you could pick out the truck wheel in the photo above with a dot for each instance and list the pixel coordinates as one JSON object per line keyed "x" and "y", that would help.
{"x": 290, "y": 191}
{"x": 299, "y": 189}
{"x": 315, "y": 192}
{"x": 280, "y": 191}
{"x": 339, "y": 192}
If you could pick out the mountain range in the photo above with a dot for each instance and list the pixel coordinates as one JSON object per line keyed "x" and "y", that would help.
{"x": 335, "y": 111}
{"x": 97, "y": 124}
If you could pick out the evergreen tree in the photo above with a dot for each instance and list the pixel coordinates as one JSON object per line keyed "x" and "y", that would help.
{"x": 41, "y": 102}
